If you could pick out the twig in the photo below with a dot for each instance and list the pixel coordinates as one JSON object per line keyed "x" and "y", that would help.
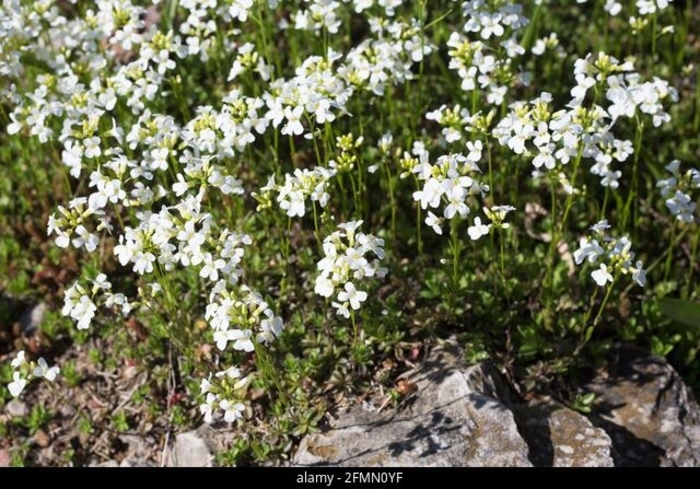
{"x": 164, "y": 456}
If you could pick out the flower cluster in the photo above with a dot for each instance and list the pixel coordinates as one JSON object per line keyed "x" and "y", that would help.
{"x": 677, "y": 190}
{"x": 644, "y": 7}
{"x": 623, "y": 88}
{"x": 301, "y": 185}
{"x": 585, "y": 130}
{"x": 156, "y": 166}
{"x": 24, "y": 371}
{"x": 455, "y": 121}
{"x": 109, "y": 75}
{"x": 447, "y": 181}
{"x": 387, "y": 59}
{"x": 225, "y": 391}
{"x": 81, "y": 304}
{"x": 617, "y": 257}
{"x": 477, "y": 67}
{"x": 345, "y": 264}
{"x": 242, "y": 317}
{"x": 496, "y": 214}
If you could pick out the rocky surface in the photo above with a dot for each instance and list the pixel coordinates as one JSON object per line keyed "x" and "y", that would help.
{"x": 647, "y": 410}
{"x": 32, "y": 317}
{"x": 460, "y": 415}
{"x": 137, "y": 453}
{"x": 456, "y": 418}
{"x": 191, "y": 450}
{"x": 561, "y": 437}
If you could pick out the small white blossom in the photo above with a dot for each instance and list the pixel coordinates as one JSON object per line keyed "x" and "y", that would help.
{"x": 478, "y": 230}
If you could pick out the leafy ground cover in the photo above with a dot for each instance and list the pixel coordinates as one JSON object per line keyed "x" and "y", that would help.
{"x": 252, "y": 213}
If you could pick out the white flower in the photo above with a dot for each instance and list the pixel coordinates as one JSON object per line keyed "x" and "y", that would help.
{"x": 232, "y": 410}
{"x": 434, "y": 222}
{"x": 231, "y": 372}
{"x": 17, "y": 385}
{"x": 612, "y": 7}
{"x": 602, "y": 275}
{"x": 143, "y": 262}
{"x": 43, "y": 370}
{"x": 211, "y": 267}
{"x": 204, "y": 386}
{"x": 475, "y": 149}
{"x": 490, "y": 25}
{"x": 478, "y": 229}
{"x": 270, "y": 329}
{"x": 600, "y": 227}
{"x": 241, "y": 340}
{"x": 324, "y": 286}
{"x": 430, "y": 195}
{"x": 590, "y": 250}
{"x": 83, "y": 312}
{"x": 294, "y": 125}
{"x": 207, "y": 408}
{"x": 341, "y": 309}
{"x": 352, "y": 295}
{"x": 639, "y": 274}
{"x": 19, "y": 360}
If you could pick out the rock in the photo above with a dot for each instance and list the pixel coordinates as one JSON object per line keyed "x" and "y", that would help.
{"x": 108, "y": 463}
{"x": 31, "y": 318}
{"x": 16, "y": 408}
{"x": 190, "y": 450}
{"x": 138, "y": 453}
{"x": 561, "y": 437}
{"x": 647, "y": 410}
{"x": 137, "y": 462}
{"x": 458, "y": 418}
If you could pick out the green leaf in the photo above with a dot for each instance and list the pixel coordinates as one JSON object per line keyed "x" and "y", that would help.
{"x": 680, "y": 310}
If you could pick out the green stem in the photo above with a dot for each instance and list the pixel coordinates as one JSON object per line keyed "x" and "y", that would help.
{"x": 355, "y": 329}
{"x": 549, "y": 280}
{"x": 392, "y": 200}
{"x": 267, "y": 367}
{"x": 691, "y": 265}
{"x": 454, "y": 245}
{"x": 661, "y": 258}
{"x": 588, "y": 330}
{"x": 317, "y": 234}
{"x": 570, "y": 197}
{"x": 421, "y": 66}
{"x": 419, "y": 221}
{"x": 667, "y": 267}
{"x": 653, "y": 36}
{"x": 356, "y": 195}
{"x": 635, "y": 177}
{"x": 488, "y": 157}
{"x": 501, "y": 235}
{"x": 605, "y": 204}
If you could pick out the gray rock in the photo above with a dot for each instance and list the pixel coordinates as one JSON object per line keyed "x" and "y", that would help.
{"x": 647, "y": 410}
{"x": 138, "y": 452}
{"x": 31, "y": 318}
{"x": 190, "y": 450}
{"x": 561, "y": 437}
{"x": 108, "y": 463}
{"x": 16, "y": 408}
{"x": 456, "y": 419}
{"x": 137, "y": 462}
